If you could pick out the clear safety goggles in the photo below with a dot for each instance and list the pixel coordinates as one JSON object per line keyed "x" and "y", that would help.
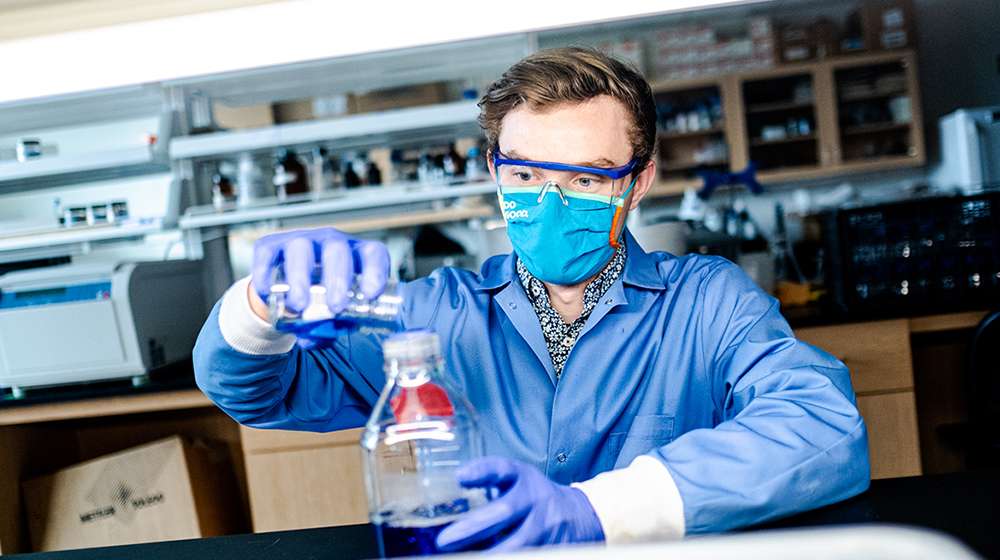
{"x": 585, "y": 186}
{"x": 608, "y": 184}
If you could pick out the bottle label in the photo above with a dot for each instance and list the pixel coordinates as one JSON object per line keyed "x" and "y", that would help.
{"x": 423, "y": 400}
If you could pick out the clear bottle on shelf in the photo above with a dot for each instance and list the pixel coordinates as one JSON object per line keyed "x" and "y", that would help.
{"x": 420, "y": 429}
{"x": 251, "y": 181}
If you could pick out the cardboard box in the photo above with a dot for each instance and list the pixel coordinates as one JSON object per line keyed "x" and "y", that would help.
{"x": 240, "y": 118}
{"x": 165, "y": 490}
{"x": 398, "y": 98}
{"x": 889, "y": 24}
{"x": 293, "y": 111}
{"x": 796, "y": 42}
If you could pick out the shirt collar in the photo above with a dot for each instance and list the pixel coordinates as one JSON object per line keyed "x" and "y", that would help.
{"x": 640, "y": 269}
{"x": 500, "y": 275}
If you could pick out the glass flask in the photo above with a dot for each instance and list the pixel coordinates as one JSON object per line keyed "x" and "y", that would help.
{"x": 420, "y": 430}
{"x": 317, "y": 321}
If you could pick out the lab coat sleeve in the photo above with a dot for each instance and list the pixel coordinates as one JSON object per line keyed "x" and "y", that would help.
{"x": 261, "y": 378}
{"x": 789, "y": 436}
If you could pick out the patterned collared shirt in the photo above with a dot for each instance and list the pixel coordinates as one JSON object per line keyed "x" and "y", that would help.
{"x": 559, "y": 336}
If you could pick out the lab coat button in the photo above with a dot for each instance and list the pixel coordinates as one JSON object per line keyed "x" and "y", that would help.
{"x": 607, "y": 302}
{"x": 561, "y": 457}
{"x": 513, "y": 305}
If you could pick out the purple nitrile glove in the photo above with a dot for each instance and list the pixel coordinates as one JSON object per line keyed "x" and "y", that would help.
{"x": 341, "y": 256}
{"x": 534, "y": 509}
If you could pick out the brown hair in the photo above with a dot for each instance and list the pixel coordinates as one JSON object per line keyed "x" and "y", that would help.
{"x": 572, "y": 75}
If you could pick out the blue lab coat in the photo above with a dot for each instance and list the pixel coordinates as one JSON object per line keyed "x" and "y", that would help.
{"x": 684, "y": 359}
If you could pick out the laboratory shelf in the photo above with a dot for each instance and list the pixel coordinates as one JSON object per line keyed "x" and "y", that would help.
{"x": 445, "y": 121}
{"x": 105, "y": 406}
{"x": 57, "y": 241}
{"x": 405, "y": 197}
{"x": 81, "y": 168}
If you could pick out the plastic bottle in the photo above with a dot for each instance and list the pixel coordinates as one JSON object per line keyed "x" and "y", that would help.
{"x": 321, "y": 172}
{"x": 317, "y": 322}
{"x": 474, "y": 169}
{"x": 420, "y": 429}
{"x": 249, "y": 180}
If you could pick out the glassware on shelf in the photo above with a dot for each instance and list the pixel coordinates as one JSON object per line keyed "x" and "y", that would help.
{"x": 290, "y": 177}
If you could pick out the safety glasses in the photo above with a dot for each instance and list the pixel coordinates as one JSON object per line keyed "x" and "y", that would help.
{"x": 580, "y": 179}
{"x": 581, "y": 188}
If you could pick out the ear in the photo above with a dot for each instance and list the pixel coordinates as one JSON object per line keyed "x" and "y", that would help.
{"x": 490, "y": 166}
{"x": 642, "y": 184}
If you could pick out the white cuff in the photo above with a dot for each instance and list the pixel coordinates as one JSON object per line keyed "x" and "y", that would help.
{"x": 638, "y": 503}
{"x": 244, "y": 330}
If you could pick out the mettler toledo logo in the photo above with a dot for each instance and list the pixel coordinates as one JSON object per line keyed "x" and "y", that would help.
{"x": 510, "y": 212}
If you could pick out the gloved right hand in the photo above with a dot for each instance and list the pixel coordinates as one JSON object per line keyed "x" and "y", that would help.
{"x": 341, "y": 256}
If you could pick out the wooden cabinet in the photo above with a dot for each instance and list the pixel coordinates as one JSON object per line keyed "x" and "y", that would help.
{"x": 878, "y": 356}
{"x": 40, "y": 439}
{"x": 301, "y": 479}
{"x": 794, "y": 121}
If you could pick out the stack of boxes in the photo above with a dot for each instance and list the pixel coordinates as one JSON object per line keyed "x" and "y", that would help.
{"x": 695, "y": 52}
{"x": 699, "y": 51}
{"x": 873, "y": 25}
{"x": 808, "y": 40}
{"x": 629, "y": 52}
{"x": 888, "y": 24}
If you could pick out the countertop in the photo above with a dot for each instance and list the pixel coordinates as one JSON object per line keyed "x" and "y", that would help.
{"x": 963, "y": 505}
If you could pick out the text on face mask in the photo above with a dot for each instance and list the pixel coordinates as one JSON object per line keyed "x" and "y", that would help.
{"x": 509, "y": 212}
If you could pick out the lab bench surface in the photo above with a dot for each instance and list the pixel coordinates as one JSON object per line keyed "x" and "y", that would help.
{"x": 963, "y": 505}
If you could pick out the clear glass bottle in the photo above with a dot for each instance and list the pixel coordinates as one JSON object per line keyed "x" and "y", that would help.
{"x": 318, "y": 322}
{"x": 420, "y": 429}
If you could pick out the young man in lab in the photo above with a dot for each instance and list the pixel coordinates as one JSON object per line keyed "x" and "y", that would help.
{"x": 629, "y": 396}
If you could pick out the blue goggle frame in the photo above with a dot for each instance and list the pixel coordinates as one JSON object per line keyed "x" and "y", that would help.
{"x": 612, "y": 172}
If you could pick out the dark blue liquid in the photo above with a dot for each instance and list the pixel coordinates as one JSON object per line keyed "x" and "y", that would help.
{"x": 416, "y": 541}
{"x": 335, "y": 327}
{"x": 408, "y": 541}
{"x": 414, "y": 534}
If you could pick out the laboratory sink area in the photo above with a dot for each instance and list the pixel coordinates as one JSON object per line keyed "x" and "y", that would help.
{"x": 157, "y": 159}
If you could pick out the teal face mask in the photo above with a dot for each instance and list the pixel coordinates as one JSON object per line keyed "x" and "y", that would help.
{"x": 562, "y": 237}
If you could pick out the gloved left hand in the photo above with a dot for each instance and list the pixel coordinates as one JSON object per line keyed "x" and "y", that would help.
{"x": 534, "y": 509}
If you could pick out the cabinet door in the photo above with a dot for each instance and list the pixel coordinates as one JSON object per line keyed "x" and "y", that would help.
{"x": 878, "y": 112}
{"x": 301, "y": 479}
{"x": 780, "y": 116}
{"x": 691, "y": 121}
{"x": 893, "y": 441}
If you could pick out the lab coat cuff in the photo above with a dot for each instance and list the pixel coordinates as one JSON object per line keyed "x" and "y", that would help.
{"x": 244, "y": 330}
{"x": 637, "y": 504}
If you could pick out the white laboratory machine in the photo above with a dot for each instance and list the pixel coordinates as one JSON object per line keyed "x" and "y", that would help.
{"x": 83, "y": 323}
{"x": 970, "y": 150}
